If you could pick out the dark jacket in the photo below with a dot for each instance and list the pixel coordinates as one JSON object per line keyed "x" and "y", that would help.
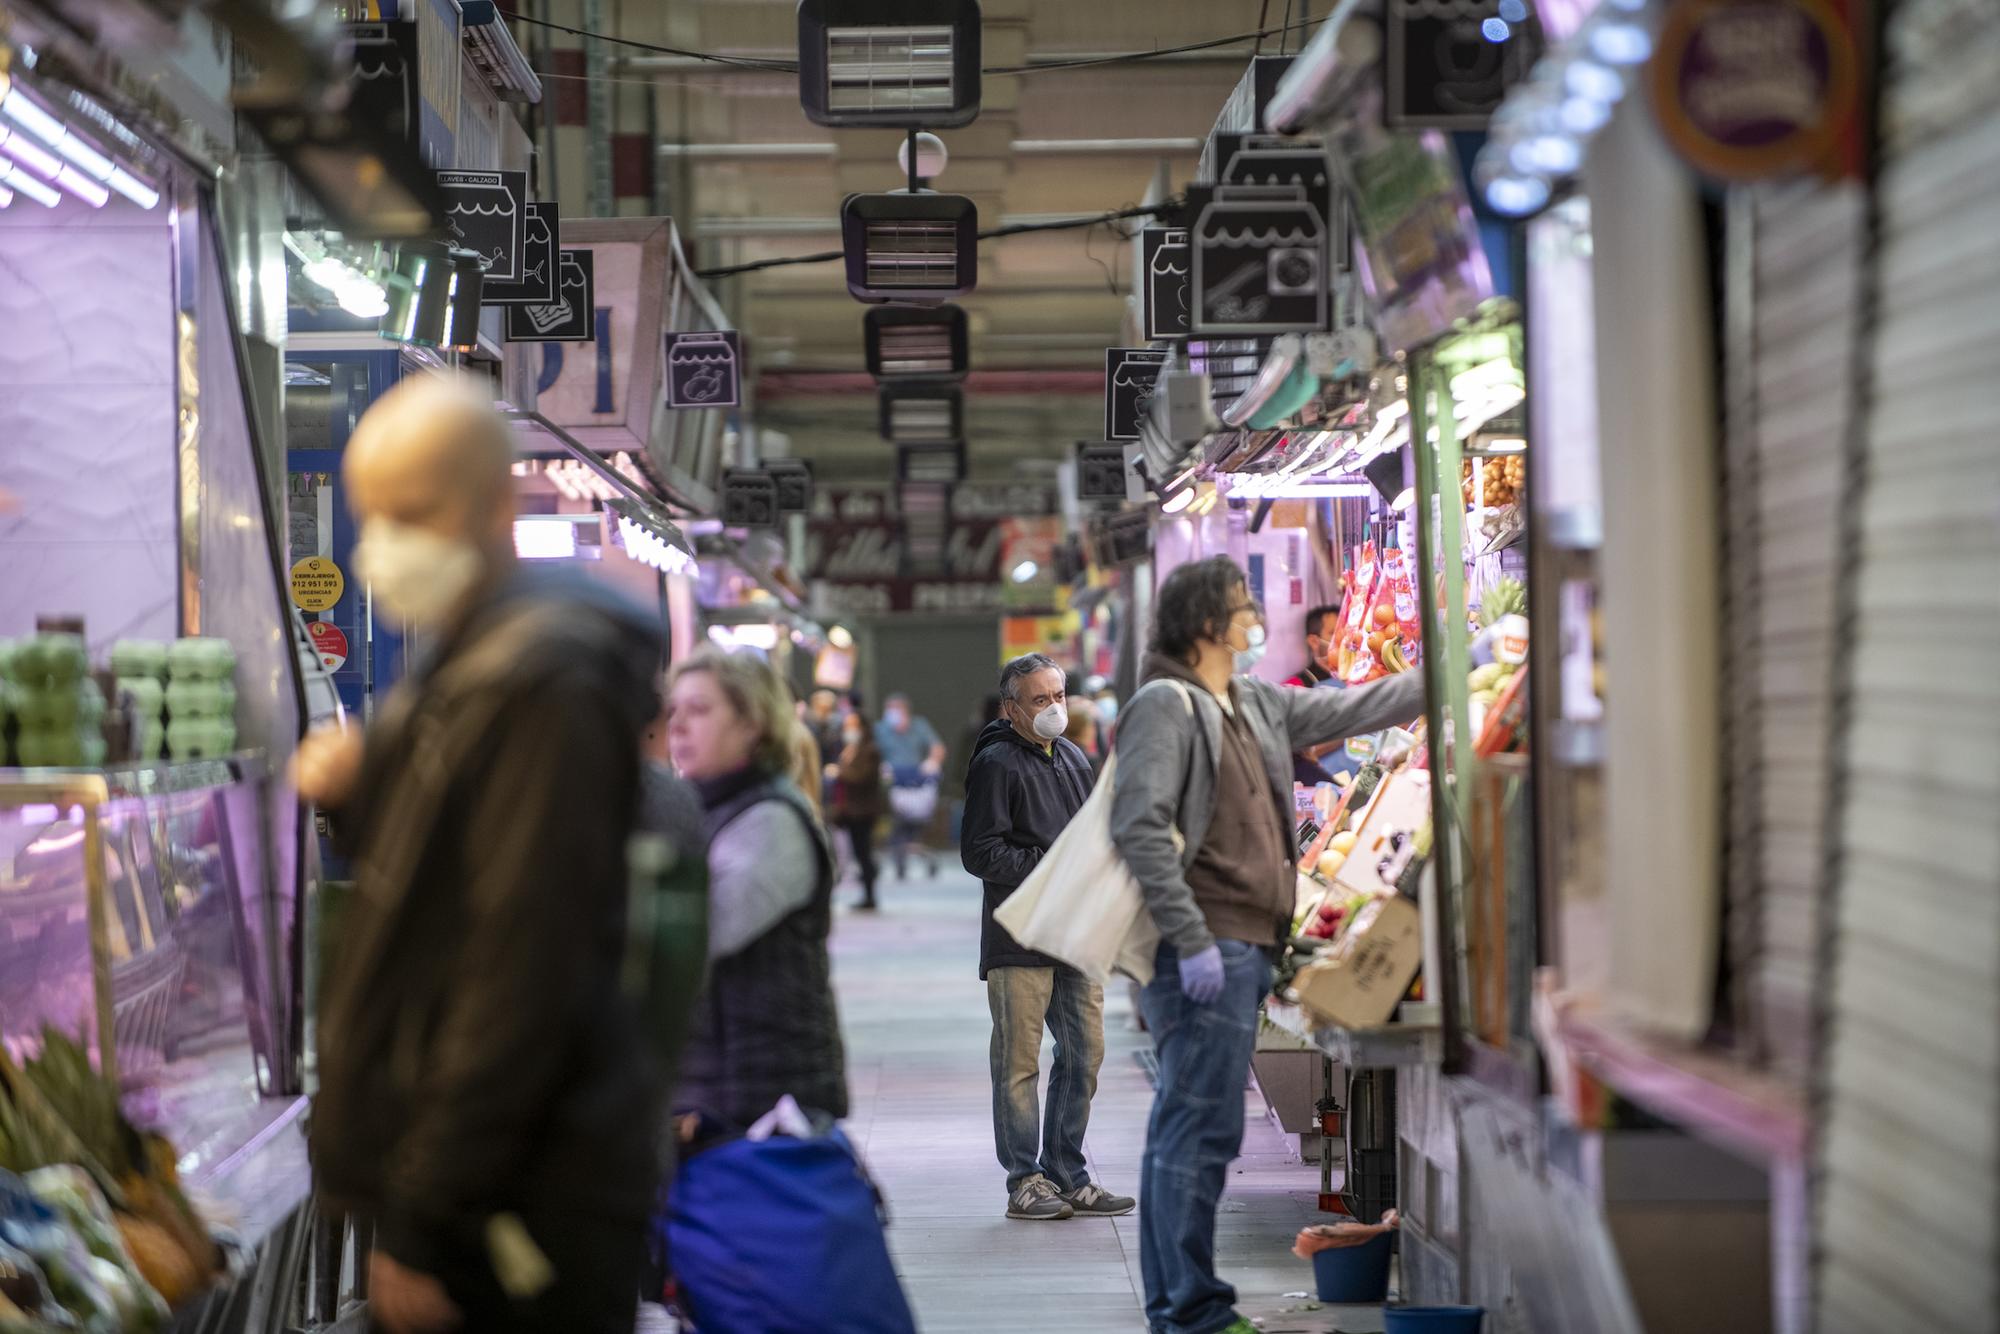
{"x": 1018, "y": 800}
{"x": 476, "y": 1054}
{"x": 858, "y": 797}
{"x": 766, "y": 1026}
{"x": 1169, "y": 754}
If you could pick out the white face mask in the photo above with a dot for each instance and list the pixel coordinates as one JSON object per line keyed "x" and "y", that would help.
{"x": 418, "y": 576}
{"x": 1051, "y": 722}
{"x": 1248, "y": 658}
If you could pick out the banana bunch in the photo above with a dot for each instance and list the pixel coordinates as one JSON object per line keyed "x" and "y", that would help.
{"x": 1503, "y": 597}
{"x": 1392, "y": 656}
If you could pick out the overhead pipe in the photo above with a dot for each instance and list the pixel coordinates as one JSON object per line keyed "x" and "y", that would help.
{"x": 1020, "y": 147}
{"x": 1215, "y": 55}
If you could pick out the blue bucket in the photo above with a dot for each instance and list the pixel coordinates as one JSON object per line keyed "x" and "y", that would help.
{"x": 1433, "y": 1319}
{"x": 1354, "y": 1275}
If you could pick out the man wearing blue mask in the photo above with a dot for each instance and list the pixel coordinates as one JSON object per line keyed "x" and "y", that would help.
{"x": 1202, "y": 815}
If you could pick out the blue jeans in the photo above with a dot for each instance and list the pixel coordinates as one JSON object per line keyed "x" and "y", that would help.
{"x": 1195, "y": 1132}
{"x": 1022, "y": 1001}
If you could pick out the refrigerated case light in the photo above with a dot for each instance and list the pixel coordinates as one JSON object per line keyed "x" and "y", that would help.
{"x": 101, "y": 171}
{"x": 545, "y": 539}
{"x": 22, "y": 181}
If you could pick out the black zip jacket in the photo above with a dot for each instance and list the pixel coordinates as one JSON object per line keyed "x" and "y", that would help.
{"x": 1018, "y": 800}
{"x": 477, "y": 1055}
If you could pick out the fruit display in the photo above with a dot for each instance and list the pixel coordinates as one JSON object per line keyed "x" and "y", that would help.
{"x": 95, "y": 1232}
{"x": 1500, "y": 481}
{"x": 140, "y": 666}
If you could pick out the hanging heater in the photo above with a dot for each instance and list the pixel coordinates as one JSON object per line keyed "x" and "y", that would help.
{"x": 922, "y": 412}
{"x": 906, "y": 341}
{"x": 920, "y": 248}
{"x": 898, "y": 64}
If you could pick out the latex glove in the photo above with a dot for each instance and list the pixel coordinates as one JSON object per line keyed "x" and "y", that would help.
{"x": 1201, "y": 976}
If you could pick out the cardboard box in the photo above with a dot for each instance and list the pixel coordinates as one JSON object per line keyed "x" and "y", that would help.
{"x": 1386, "y": 840}
{"x": 1365, "y": 976}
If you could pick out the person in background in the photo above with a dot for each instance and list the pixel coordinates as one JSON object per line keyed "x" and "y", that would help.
{"x": 1202, "y": 815}
{"x": 1024, "y": 785}
{"x": 1322, "y": 647}
{"x": 824, "y": 717}
{"x": 487, "y": 1096}
{"x": 765, "y": 1025}
{"x": 1082, "y": 731}
{"x": 855, "y": 771}
{"x": 914, "y": 757}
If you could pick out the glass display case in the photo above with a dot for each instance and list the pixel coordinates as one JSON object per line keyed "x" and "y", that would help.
{"x": 137, "y": 912}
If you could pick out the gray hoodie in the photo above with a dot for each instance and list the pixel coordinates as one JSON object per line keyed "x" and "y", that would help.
{"x": 1169, "y": 756}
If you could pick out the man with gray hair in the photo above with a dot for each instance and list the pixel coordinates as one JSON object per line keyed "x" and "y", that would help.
{"x": 1024, "y": 785}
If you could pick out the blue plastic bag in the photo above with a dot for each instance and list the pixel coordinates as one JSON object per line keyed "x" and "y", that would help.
{"x": 782, "y": 1236}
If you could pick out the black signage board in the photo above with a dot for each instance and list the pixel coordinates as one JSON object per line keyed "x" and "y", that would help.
{"x": 1272, "y": 160}
{"x": 1100, "y": 471}
{"x": 573, "y": 317}
{"x": 1129, "y": 376}
{"x": 704, "y": 369}
{"x": 1443, "y": 69}
{"x": 749, "y": 499}
{"x": 542, "y": 253}
{"x": 486, "y": 212}
{"x": 795, "y": 482}
{"x": 1260, "y": 260}
{"x": 1169, "y": 266}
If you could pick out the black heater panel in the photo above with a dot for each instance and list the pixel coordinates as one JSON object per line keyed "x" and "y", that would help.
{"x": 896, "y": 64}
{"x": 921, "y": 248}
{"x": 916, "y": 341}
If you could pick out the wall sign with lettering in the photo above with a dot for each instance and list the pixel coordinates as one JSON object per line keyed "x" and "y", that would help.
{"x": 486, "y": 212}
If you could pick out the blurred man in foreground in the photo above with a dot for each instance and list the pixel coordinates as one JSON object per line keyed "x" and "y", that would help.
{"x": 486, "y": 1098}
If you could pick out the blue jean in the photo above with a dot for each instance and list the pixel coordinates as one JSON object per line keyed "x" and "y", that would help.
{"x": 1195, "y": 1132}
{"x": 1072, "y": 1007}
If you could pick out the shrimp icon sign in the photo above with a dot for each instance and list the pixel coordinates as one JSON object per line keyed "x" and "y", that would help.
{"x": 487, "y": 212}
{"x": 704, "y": 369}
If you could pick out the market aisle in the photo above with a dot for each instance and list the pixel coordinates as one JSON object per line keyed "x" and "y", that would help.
{"x": 916, "y": 1021}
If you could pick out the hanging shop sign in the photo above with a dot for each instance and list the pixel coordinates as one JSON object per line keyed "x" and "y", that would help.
{"x": 1259, "y": 260}
{"x": 1129, "y": 376}
{"x": 329, "y": 641}
{"x": 795, "y": 484}
{"x": 749, "y": 498}
{"x": 317, "y": 584}
{"x": 1100, "y": 471}
{"x": 1749, "y": 89}
{"x": 541, "y": 254}
{"x": 704, "y": 369}
{"x": 1273, "y": 160}
{"x": 855, "y": 543}
{"x": 572, "y": 318}
{"x": 385, "y": 59}
{"x": 486, "y": 212}
{"x": 1449, "y": 63}
{"x": 1168, "y": 263}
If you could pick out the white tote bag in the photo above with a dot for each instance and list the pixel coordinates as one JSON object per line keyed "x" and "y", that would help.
{"x": 1080, "y": 904}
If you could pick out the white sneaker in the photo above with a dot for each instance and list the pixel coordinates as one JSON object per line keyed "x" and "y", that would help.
{"x": 1038, "y": 1201}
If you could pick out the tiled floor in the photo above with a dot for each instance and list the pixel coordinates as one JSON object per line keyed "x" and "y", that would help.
{"x": 917, "y": 1027}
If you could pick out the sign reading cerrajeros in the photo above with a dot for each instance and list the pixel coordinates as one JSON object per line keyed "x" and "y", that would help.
{"x": 1747, "y": 89}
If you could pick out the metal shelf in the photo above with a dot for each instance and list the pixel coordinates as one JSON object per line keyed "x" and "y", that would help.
{"x": 1392, "y": 1046}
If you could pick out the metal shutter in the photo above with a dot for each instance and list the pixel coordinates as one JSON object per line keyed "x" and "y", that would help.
{"x": 1791, "y": 404}
{"x": 1909, "y": 1154}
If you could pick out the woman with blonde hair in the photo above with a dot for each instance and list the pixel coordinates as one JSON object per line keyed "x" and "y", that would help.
{"x": 766, "y": 1024}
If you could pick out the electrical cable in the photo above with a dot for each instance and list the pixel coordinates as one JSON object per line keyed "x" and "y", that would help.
{"x": 791, "y": 66}
{"x": 991, "y": 234}
{"x": 1263, "y": 17}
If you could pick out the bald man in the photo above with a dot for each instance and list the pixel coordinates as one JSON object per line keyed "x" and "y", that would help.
{"x": 485, "y": 1095}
